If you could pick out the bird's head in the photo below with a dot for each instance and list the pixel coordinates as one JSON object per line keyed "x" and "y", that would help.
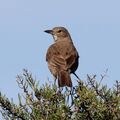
{"x": 58, "y": 33}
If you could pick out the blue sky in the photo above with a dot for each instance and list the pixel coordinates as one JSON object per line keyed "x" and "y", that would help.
{"x": 94, "y": 26}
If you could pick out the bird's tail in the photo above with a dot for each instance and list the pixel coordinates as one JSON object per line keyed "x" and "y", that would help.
{"x": 64, "y": 79}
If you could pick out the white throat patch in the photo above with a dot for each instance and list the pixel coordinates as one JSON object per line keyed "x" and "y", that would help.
{"x": 55, "y": 37}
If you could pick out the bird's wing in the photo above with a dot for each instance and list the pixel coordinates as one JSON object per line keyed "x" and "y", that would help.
{"x": 54, "y": 58}
{"x": 72, "y": 56}
{"x": 62, "y": 58}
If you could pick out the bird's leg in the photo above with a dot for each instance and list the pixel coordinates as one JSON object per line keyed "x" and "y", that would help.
{"x": 79, "y": 80}
{"x": 54, "y": 84}
{"x": 71, "y": 93}
{"x": 76, "y": 76}
{"x": 55, "y": 81}
{"x": 67, "y": 90}
{"x": 59, "y": 90}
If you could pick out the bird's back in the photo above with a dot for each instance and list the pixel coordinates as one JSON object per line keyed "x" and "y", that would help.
{"x": 66, "y": 52}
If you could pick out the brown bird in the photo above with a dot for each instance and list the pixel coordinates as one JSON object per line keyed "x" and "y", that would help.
{"x": 62, "y": 56}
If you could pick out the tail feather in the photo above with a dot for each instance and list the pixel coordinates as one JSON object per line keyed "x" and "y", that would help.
{"x": 64, "y": 79}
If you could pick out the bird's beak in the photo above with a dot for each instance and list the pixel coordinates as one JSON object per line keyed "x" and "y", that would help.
{"x": 49, "y": 31}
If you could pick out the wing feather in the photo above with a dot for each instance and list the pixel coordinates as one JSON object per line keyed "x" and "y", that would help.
{"x": 62, "y": 57}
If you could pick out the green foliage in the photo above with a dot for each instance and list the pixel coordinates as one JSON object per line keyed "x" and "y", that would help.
{"x": 90, "y": 101}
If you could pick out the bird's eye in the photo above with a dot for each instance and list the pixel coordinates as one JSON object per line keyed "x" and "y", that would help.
{"x": 60, "y": 31}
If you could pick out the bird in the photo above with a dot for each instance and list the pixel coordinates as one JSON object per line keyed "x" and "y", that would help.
{"x": 62, "y": 56}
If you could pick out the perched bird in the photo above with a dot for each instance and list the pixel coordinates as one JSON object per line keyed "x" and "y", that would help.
{"x": 62, "y": 56}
